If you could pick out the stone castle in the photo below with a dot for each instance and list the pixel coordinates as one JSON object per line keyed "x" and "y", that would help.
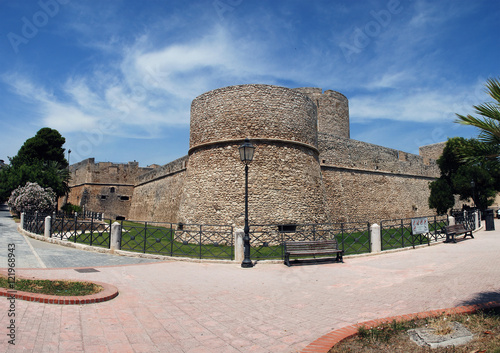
{"x": 306, "y": 169}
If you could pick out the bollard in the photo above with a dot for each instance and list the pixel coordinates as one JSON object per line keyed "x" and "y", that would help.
{"x": 375, "y": 238}
{"x": 116, "y": 236}
{"x": 22, "y": 220}
{"x": 238, "y": 245}
{"x": 47, "y": 229}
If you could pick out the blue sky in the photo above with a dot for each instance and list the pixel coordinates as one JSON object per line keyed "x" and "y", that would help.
{"x": 116, "y": 78}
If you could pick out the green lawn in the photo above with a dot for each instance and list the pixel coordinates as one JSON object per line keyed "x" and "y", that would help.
{"x": 165, "y": 239}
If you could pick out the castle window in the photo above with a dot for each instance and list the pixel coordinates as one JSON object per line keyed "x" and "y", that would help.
{"x": 112, "y": 190}
{"x": 124, "y": 198}
{"x": 103, "y": 197}
{"x": 287, "y": 228}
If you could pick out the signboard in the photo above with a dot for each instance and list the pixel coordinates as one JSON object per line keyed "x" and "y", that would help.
{"x": 419, "y": 225}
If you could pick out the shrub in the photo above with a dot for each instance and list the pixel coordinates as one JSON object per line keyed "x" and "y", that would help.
{"x": 32, "y": 197}
{"x": 69, "y": 208}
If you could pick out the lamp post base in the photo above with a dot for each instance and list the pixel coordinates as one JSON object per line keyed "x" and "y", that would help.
{"x": 247, "y": 263}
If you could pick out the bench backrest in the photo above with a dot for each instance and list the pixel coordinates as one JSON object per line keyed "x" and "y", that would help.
{"x": 457, "y": 228}
{"x": 311, "y": 245}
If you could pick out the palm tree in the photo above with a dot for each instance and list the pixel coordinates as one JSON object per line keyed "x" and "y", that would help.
{"x": 489, "y": 120}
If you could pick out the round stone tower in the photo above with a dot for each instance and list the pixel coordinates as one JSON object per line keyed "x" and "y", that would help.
{"x": 285, "y": 183}
{"x": 333, "y": 110}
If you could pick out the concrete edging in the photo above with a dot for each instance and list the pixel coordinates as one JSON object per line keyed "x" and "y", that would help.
{"x": 326, "y": 342}
{"x": 108, "y": 292}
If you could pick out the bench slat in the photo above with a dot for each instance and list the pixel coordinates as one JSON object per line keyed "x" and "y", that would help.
{"x": 314, "y": 247}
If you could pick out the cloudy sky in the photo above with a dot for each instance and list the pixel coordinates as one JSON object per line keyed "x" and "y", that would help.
{"x": 116, "y": 78}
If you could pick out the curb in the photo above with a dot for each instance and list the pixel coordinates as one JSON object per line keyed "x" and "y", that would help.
{"x": 326, "y": 342}
{"x": 108, "y": 292}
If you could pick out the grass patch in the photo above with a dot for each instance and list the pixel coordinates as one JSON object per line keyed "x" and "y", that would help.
{"x": 393, "y": 337}
{"x": 42, "y": 286}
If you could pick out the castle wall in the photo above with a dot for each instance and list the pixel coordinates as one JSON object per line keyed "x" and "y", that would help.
{"x": 103, "y": 187}
{"x": 433, "y": 151}
{"x": 285, "y": 178}
{"x": 333, "y": 110}
{"x": 157, "y": 194}
{"x": 340, "y": 152}
{"x": 366, "y": 182}
{"x": 361, "y": 196}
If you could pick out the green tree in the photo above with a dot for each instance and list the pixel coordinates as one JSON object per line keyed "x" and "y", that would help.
{"x": 441, "y": 197}
{"x": 473, "y": 177}
{"x": 41, "y": 160}
{"x": 46, "y": 145}
{"x": 489, "y": 121}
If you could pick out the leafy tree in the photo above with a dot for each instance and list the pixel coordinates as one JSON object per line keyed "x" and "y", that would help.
{"x": 46, "y": 145}
{"x": 41, "y": 160}
{"x": 441, "y": 197}
{"x": 489, "y": 122}
{"x": 474, "y": 177}
{"x": 32, "y": 197}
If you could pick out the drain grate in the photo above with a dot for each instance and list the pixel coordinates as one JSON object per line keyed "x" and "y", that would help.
{"x": 86, "y": 270}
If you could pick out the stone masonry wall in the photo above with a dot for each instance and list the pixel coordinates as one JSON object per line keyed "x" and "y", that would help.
{"x": 333, "y": 110}
{"x": 157, "y": 194}
{"x": 253, "y": 111}
{"x": 285, "y": 186}
{"x": 285, "y": 179}
{"x": 114, "y": 200}
{"x": 433, "y": 151}
{"x": 361, "y": 196}
{"x": 340, "y": 152}
{"x": 104, "y": 187}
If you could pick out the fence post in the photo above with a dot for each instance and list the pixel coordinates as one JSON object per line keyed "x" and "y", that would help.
{"x": 22, "y": 220}
{"x": 476, "y": 219}
{"x": 238, "y": 245}
{"x": 375, "y": 238}
{"x": 48, "y": 224}
{"x": 116, "y": 237}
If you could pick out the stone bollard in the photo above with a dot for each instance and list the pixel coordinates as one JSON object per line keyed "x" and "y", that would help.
{"x": 116, "y": 236}
{"x": 239, "y": 254}
{"x": 22, "y": 220}
{"x": 375, "y": 238}
{"x": 47, "y": 224}
{"x": 476, "y": 219}
{"x": 451, "y": 221}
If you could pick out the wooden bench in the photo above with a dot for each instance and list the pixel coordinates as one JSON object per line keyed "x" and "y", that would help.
{"x": 455, "y": 230}
{"x": 307, "y": 248}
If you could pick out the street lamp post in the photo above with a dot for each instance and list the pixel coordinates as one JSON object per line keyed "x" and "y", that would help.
{"x": 246, "y": 156}
{"x": 473, "y": 185}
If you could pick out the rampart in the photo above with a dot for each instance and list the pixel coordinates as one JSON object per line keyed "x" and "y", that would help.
{"x": 158, "y": 193}
{"x": 433, "y": 151}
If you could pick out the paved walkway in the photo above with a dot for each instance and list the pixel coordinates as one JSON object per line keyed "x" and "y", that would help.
{"x": 210, "y": 307}
{"x": 32, "y": 253}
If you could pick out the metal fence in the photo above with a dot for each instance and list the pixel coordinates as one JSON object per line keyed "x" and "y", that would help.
{"x": 217, "y": 241}
{"x": 186, "y": 240}
{"x": 94, "y": 232}
{"x": 397, "y": 233}
{"x": 266, "y": 241}
{"x": 34, "y": 222}
{"x": 467, "y": 218}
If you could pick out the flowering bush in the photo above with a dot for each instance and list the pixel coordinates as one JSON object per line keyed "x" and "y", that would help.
{"x": 32, "y": 197}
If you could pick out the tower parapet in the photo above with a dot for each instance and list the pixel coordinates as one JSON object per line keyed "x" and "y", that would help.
{"x": 333, "y": 110}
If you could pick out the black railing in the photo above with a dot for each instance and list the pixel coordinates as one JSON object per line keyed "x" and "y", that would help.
{"x": 34, "y": 222}
{"x": 266, "y": 241}
{"x": 467, "y": 218}
{"x": 186, "y": 240}
{"x": 397, "y": 233}
{"x": 91, "y": 231}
